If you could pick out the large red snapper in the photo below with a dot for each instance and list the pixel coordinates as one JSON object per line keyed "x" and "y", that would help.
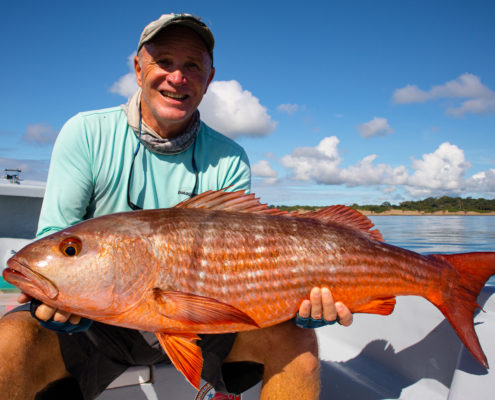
{"x": 222, "y": 262}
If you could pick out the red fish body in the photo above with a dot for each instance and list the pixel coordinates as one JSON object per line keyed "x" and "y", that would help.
{"x": 222, "y": 262}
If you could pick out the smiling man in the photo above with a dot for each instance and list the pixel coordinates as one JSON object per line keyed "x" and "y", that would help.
{"x": 152, "y": 152}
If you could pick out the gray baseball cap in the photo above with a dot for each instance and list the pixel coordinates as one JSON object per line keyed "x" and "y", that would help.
{"x": 187, "y": 20}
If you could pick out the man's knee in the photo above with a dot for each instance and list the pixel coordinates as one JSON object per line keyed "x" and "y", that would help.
{"x": 23, "y": 339}
{"x": 283, "y": 342}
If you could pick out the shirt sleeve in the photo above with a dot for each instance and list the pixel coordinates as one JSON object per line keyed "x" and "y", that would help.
{"x": 238, "y": 176}
{"x": 70, "y": 180}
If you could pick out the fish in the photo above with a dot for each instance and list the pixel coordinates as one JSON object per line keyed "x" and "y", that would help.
{"x": 224, "y": 262}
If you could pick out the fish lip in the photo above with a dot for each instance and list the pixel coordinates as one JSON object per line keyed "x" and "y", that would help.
{"x": 18, "y": 272}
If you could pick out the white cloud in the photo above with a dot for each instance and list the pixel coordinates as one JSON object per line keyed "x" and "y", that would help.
{"x": 40, "y": 133}
{"x": 320, "y": 163}
{"x": 126, "y": 85}
{"x": 482, "y": 181}
{"x": 235, "y": 112}
{"x": 263, "y": 169}
{"x": 479, "y": 99}
{"x": 440, "y": 172}
{"x": 375, "y": 127}
{"x": 288, "y": 108}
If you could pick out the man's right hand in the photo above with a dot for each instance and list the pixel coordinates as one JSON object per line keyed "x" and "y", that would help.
{"x": 45, "y": 312}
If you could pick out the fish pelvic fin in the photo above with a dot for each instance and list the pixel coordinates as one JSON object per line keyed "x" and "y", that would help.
{"x": 193, "y": 309}
{"x": 184, "y": 353}
{"x": 459, "y": 303}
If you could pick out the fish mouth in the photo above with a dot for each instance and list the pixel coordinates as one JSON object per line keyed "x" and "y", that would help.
{"x": 29, "y": 281}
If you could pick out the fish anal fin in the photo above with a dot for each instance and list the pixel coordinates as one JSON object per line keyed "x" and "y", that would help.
{"x": 184, "y": 353}
{"x": 193, "y": 309}
{"x": 378, "y": 306}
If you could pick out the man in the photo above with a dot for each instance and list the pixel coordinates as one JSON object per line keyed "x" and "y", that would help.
{"x": 153, "y": 152}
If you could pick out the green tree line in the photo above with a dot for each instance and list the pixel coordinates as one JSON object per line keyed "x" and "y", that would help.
{"x": 428, "y": 205}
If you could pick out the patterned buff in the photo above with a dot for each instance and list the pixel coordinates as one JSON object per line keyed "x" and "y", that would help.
{"x": 152, "y": 140}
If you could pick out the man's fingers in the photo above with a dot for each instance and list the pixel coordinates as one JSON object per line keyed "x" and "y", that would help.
{"x": 345, "y": 316}
{"x": 316, "y": 306}
{"x": 23, "y": 298}
{"x": 74, "y": 319}
{"x": 61, "y": 316}
{"x": 45, "y": 312}
{"x": 305, "y": 309}
{"x": 329, "y": 310}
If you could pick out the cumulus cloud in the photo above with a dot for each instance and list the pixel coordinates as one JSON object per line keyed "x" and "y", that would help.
{"x": 230, "y": 109}
{"x": 263, "y": 169}
{"x": 482, "y": 181}
{"x": 441, "y": 172}
{"x": 126, "y": 85}
{"x": 375, "y": 127}
{"x": 478, "y": 99}
{"x": 41, "y": 133}
{"x": 288, "y": 108}
{"x": 320, "y": 163}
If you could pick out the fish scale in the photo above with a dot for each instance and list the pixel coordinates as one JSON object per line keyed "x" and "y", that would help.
{"x": 222, "y": 262}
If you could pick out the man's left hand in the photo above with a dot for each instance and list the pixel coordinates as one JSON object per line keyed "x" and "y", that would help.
{"x": 321, "y": 306}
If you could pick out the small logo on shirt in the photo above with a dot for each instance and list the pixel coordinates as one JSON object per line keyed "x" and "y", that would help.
{"x": 184, "y": 193}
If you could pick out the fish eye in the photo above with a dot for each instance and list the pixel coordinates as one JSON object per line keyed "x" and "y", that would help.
{"x": 70, "y": 247}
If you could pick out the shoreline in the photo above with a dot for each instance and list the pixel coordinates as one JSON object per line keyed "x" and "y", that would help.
{"x": 422, "y": 213}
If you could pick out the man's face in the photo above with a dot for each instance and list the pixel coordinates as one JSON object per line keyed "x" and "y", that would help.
{"x": 173, "y": 71}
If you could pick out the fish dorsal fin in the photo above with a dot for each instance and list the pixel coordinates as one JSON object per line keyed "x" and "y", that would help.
{"x": 237, "y": 201}
{"x": 241, "y": 202}
{"x": 184, "y": 353}
{"x": 345, "y": 216}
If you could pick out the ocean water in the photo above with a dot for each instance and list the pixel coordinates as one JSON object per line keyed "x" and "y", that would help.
{"x": 431, "y": 234}
{"x": 439, "y": 234}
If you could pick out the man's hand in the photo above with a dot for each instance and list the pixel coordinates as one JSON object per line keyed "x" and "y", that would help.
{"x": 45, "y": 312}
{"x": 321, "y": 305}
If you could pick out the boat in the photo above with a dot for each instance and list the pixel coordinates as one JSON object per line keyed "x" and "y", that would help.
{"x": 411, "y": 354}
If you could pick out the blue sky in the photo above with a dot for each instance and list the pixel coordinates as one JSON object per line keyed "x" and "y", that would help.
{"x": 334, "y": 101}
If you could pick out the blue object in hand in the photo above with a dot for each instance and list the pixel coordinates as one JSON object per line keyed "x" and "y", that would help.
{"x": 311, "y": 323}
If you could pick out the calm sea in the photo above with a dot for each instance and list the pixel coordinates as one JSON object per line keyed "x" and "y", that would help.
{"x": 432, "y": 234}
{"x": 439, "y": 234}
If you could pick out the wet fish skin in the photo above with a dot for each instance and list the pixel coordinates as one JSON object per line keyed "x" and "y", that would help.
{"x": 222, "y": 262}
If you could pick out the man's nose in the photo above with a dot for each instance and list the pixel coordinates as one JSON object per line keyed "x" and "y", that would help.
{"x": 176, "y": 77}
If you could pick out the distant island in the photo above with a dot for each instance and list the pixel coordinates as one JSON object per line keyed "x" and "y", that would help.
{"x": 444, "y": 205}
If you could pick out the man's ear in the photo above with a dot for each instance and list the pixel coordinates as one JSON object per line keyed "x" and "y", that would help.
{"x": 210, "y": 78}
{"x": 137, "y": 69}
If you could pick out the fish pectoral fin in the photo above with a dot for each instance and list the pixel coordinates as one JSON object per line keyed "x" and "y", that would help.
{"x": 193, "y": 309}
{"x": 378, "y": 306}
{"x": 184, "y": 353}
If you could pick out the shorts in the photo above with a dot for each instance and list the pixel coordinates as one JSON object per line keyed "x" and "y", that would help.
{"x": 99, "y": 355}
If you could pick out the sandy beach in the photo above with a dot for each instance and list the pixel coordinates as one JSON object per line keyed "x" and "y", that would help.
{"x": 421, "y": 213}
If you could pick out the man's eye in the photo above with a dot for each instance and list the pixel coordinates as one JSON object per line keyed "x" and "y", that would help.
{"x": 193, "y": 66}
{"x": 164, "y": 63}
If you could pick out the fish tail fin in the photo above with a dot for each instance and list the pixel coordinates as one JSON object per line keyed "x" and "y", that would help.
{"x": 458, "y": 302}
